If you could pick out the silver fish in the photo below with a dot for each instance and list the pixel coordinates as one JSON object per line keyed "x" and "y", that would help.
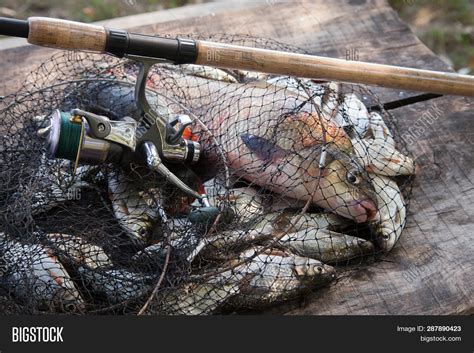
{"x": 197, "y": 298}
{"x": 135, "y": 209}
{"x": 390, "y": 218}
{"x": 220, "y": 245}
{"x": 325, "y": 245}
{"x": 246, "y": 202}
{"x": 56, "y": 183}
{"x": 377, "y": 153}
{"x": 308, "y": 235}
{"x": 343, "y": 109}
{"x": 391, "y": 215}
{"x": 265, "y": 228}
{"x": 378, "y": 157}
{"x": 272, "y": 276}
{"x": 35, "y": 276}
{"x": 275, "y": 147}
{"x": 356, "y": 111}
{"x": 80, "y": 251}
{"x": 186, "y": 242}
{"x": 379, "y": 130}
{"x": 117, "y": 285}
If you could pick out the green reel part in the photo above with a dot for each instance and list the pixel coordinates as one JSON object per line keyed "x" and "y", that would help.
{"x": 207, "y": 215}
{"x": 203, "y": 215}
{"x": 65, "y": 136}
{"x": 69, "y": 139}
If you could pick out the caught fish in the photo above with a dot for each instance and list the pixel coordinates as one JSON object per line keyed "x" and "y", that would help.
{"x": 379, "y": 130}
{"x": 196, "y": 298}
{"x": 378, "y": 157}
{"x": 246, "y": 203}
{"x": 377, "y": 154}
{"x": 57, "y": 183}
{"x": 220, "y": 245}
{"x": 278, "y": 147}
{"x": 343, "y": 109}
{"x": 356, "y": 111}
{"x": 263, "y": 229}
{"x": 182, "y": 238}
{"x": 325, "y": 245}
{"x": 181, "y": 244}
{"x": 35, "y": 275}
{"x": 136, "y": 210}
{"x": 390, "y": 218}
{"x": 308, "y": 235}
{"x": 317, "y": 236}
{"x": 272, "y": 276}
{"x": 336, "y": 109}
{"x": 116, "y": 285}
{"x": 342, "y": 186}
{"x": 204, "y": 71}
{"x": 391, "y": 215}
{"x": 79, "y": 250}
{"x": 268, "y": 277}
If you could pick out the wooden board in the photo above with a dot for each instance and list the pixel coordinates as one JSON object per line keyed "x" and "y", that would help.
{"x": 17, "y": 50}
{"x": 430, "y": 270}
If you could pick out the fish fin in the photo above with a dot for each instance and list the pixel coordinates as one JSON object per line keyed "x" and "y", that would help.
{"x": 263, "y": 148}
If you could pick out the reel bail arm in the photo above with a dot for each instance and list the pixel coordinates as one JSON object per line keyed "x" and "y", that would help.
{"x": 161, "y": 140}
{"x": 168, "y": 140}
{"x": 154, "y": 162}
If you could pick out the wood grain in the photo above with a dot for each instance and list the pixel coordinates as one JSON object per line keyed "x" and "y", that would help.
{"x": 68, "y": 35}
{"x": 330, "y": 69}
{"x": 430, "y": 269}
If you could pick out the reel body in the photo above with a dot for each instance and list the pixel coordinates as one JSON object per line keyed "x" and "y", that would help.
{"x": 88, "y": 138}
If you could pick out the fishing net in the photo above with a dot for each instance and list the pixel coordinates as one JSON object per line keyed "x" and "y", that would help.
{"x": 310, "y": 180}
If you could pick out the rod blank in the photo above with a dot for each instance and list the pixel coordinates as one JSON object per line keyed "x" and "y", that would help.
{"x": 70, "y": 35}
{"x": 318, "y": 67}
{"x": 14, "y": 28}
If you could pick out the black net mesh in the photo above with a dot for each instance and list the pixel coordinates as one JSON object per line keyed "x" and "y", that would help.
{"x": 309, "y": 184}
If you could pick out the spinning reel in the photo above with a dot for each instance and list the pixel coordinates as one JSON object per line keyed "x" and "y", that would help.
{"x": 88, "y": 138}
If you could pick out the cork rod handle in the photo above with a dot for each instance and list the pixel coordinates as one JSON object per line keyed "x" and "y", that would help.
{"x": 69, "y": 35}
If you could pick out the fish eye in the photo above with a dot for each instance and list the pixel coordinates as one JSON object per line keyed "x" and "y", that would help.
{"x": 70, "y": 307}
{"x": 320, "y": 269}
{"x": 353, "y": 177}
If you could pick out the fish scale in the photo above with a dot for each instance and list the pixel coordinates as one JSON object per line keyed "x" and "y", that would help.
{"x": 297, "y": 175}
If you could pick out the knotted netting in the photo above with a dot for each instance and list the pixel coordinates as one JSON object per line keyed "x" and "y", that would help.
{"x": 310, "y": 180}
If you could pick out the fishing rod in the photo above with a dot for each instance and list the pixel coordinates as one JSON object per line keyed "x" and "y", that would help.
{"x": 69, "y": 35}
{"x": 84, "y": 137}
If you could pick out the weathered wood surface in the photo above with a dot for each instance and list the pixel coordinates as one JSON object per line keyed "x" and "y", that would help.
{"x": 17, "y": 50}
{"x": 430, "y": 270}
